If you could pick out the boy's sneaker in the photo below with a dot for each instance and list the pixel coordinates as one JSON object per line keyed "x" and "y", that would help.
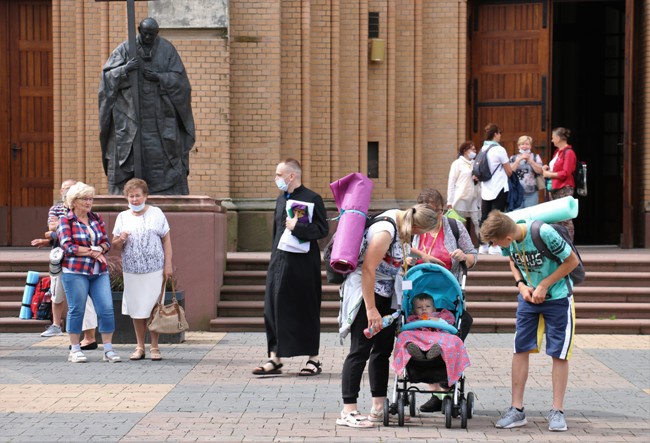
{"x": 512, "y": 418}
{"x": 494, "y": 250}
{"x": 483, "y": 249}
{"x": 77, "y": 357}
{"x": 52, "y": 331}
{"x": 111, "y": 357}
{"x": 556, "y": 421}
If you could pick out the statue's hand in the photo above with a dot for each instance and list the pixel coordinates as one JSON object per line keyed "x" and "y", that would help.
{"x": 150, "y": 75}
{"x": 132, "y": 65}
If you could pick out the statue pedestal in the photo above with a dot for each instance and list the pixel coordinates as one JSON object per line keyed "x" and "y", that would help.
{"x": 198, "y": 233}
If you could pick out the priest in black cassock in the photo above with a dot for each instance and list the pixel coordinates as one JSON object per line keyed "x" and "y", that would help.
{"x": 293, "y": 283}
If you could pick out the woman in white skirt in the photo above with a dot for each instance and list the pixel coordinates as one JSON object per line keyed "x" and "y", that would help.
{"x": 142, "y": 234}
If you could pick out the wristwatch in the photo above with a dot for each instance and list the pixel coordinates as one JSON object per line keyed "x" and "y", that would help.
{"x": 521, "y": 280}
{"x": 97, "y": 248}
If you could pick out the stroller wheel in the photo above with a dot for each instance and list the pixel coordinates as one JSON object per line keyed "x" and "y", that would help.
{"x": 386, "y": 412}
{"x": 470, "y": 405}
{"x": 463, "y": 413}
{"x": 400, "y": 410}
{"x": 447, "y": 408}
{"x": 412, "y": 409}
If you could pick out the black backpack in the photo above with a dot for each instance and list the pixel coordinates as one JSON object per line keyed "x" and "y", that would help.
{"x": 337, "y": 278}
{"x": 578, "y": 273}
{"x": 481, "y": 168}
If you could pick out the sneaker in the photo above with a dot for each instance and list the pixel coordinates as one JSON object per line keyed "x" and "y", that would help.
{"x": 77, "y": 357}
{"x": 556, "y": 421}
{"x": 494, "y": 250}
{"x": 434, "y": 404}
{"x": 483, "y": 249}
{"x": 52, "y": 331}
{"x": 111, "y": 357}
{"x": 512, "y": 418}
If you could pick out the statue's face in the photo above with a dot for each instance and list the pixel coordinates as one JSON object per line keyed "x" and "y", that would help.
{"x": 148, "y": 35}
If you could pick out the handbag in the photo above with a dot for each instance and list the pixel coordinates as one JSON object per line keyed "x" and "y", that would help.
{"x": 167, "y": 319}
{"x": 541, "y": 183}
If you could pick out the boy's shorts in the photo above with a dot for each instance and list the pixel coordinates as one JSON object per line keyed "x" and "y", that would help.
{"x": 553, "y": 318}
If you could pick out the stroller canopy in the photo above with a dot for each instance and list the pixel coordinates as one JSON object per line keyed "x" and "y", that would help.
{"x": 439, "y": 283}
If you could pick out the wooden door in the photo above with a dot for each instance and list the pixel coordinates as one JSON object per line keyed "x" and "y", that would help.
{"x": 510, "y": 70}
{"x": 26, "y": 89}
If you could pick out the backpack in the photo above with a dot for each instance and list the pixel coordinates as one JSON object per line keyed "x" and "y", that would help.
{"x": 578, "y": 273}
{"x": 42, "y": 300}
{"x": 334, "y": 276}
{"x": 481, "y": 168}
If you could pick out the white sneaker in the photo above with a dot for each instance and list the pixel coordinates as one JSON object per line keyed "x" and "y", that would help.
{"x": 111, "y": 357}
{"x": 52, "y": 331}
{"x": 494, "y": 250}
{"x": 483, "y": 249}
{"x": 77, "y": 357}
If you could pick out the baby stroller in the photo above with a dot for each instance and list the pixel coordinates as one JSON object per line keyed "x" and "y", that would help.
{"x": 441, "y": 284}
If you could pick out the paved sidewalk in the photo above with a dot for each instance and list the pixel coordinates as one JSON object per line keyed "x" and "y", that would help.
{"x": 203, "y": 391}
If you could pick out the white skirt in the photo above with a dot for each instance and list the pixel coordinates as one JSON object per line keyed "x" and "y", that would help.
{"x": 141, "y": 292}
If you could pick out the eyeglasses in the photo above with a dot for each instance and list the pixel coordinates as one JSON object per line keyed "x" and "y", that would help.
{"x": 86, "y": 199}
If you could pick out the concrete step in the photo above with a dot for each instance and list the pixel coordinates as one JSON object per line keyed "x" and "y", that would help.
{"x": 10, "y": 308}
{"x": 17, "y": 278}
{"x": 15, "y": 324}
{"x": 484, "y": 325}
{"x": 477, "y": 309}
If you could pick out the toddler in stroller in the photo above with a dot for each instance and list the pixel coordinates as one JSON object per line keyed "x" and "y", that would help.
{"x": 429, "y": 347}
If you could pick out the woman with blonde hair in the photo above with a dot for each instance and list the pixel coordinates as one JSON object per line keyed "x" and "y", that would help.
{"x": 369, "y": 294}
{"x": 527, "y": 165}
{"x": 82, "y": 235}
{"x": 142, "y": 234}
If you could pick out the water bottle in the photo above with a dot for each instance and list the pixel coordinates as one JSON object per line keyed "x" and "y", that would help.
{"x": 386, "y": 321}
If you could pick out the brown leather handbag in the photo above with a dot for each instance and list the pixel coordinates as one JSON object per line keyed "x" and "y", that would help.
{"x": 167, "y": 319}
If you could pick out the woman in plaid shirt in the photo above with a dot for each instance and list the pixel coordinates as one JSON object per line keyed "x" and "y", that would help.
{"x": 82, "y": 235}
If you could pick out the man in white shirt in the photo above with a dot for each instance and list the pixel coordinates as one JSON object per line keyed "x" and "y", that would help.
{"x": 494, "y": 192}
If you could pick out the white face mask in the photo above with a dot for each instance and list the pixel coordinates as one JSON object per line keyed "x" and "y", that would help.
{"x": 281, "y": 184}
{"x": 136, "y": 208}
{"x": 524, "y": 151}
{"x": 472, "y": 155}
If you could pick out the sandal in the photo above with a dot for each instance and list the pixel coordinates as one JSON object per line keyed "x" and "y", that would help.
{"x": 155, "y": 354}
{"x": 309, "y": 372}
{"x": 261, "y": 370}
{"x": 354, "y": 420}
{"x": 138, "y": 354}
{"x": 377, "y": 416}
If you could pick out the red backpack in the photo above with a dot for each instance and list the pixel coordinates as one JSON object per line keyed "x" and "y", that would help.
{"x": 42, "y": 300}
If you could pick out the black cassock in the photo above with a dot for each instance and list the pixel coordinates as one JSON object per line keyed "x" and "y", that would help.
{"x": 293, "y": 283}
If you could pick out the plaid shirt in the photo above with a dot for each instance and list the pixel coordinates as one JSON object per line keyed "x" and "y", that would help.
{"x": 72, "y": 234}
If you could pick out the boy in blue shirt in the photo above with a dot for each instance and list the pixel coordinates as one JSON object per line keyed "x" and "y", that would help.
{"x": 545, "y": 307}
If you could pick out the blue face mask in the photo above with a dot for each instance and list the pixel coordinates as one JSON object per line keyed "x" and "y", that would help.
{"x": 281, "y": 184}
{"x": 472, "y": 155}
{"x": 136, "y": 208}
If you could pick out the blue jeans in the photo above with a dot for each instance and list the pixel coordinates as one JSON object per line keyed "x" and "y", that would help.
{"x": 77, "y": 289}
{"x": 529, "y": 200}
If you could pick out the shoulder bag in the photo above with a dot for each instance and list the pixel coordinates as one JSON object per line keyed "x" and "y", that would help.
{"x": 167, "y": 319}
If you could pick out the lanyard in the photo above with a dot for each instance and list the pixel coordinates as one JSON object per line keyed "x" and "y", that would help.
{"x": 521, "y": 257}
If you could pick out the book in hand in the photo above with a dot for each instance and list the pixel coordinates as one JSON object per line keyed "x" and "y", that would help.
{"x": 304, "y": 211}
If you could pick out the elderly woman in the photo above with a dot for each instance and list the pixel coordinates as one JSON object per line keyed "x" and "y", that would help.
{"x": 142, "y": 234}
{"x": 369, "y": 294}
{"x": 82, "y": 235}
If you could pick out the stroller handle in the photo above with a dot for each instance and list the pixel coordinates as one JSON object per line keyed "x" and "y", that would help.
{"x": 436, "y": 324}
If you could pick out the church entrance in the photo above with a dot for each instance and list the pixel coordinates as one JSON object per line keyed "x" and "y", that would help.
{"x": 539, "y": 64}
{"x": 26, "y": 119}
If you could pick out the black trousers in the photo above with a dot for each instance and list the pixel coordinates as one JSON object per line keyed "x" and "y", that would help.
{"x": 376, "y": 351}
{"x": 500, "y": 203}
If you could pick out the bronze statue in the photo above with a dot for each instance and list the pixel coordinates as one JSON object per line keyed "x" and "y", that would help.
{"x": 160, "y": 131}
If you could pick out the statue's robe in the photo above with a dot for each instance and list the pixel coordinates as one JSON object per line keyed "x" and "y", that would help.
{"x": 166, "y": 124}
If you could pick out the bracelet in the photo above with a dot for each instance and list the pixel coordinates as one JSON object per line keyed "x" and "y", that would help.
{"x": 521, "y": 280}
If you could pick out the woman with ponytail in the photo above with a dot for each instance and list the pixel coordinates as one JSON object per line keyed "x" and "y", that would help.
{"x": 368, "y": 295}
